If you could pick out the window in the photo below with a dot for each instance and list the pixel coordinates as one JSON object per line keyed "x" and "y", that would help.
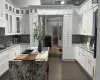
{"x": 17, "y": 11}
{"x": 22, "y": 11}
{"x": 10, "y": 8}
{"x": 6, "y": 6}
{"x": 27, "y": 12}
{"x": 18, "y": 24}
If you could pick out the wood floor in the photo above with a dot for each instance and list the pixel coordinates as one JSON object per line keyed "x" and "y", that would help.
{"x": 59, "y": 70}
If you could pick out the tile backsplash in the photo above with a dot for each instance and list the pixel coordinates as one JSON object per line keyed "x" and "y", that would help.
{"x": 82, "y": 39}
{"x": 6, "y": 39}
{"x": 77, "y": 39}
{"x": 25, "y": 38}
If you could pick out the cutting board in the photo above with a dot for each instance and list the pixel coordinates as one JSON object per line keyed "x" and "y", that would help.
{"x": 26, "y": 57}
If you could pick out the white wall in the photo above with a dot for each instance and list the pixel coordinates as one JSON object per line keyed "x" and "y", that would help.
{"x": 24, "y": 3}
{"x": 98, "y": 48}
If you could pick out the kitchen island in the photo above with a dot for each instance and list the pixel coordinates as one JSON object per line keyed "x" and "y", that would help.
{"x": 29, "y": 67}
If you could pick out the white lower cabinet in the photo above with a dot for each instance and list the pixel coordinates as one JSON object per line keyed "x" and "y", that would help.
{"x": 4, "y": 58}
{"x": 8, "y": 55}
{"x": 85, "y": 59}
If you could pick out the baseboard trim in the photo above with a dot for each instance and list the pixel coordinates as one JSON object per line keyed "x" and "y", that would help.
{"x": 68, "y": 59}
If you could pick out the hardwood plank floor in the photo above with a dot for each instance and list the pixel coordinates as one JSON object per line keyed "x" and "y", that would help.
{"x": 60, "y": 70}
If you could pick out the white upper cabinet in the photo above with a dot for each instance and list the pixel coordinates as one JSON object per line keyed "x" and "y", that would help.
{"x": 76, "y": 21}
{"x": 24, "y": 23}
{"x": 84, "y": 8}
{"x": 87, "y": 18}
{"x": 90, "y": 23}
{"x": 18, "y": 25}
{"x": 3, "y": 22}
{"x": 2, "y": 9}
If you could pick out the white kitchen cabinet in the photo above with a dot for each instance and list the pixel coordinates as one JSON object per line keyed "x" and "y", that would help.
{"x": 4, "y": 58}
{"x": 67, "y": 37}
{"x": 84, "y": 24}
{"x": 2, "y": 9}
{"x": 90, "y": 23}
{"x": 67, "y": 25}
{"x": 18, "y": 25}
{"x": 76, "y": 21}
{"x": 24, "y": 24}
{"x": 86, "y": 7}
{"x": 74, "y": 51}
{"x": 85, "y": 59}
{"x": 10, "y": 29}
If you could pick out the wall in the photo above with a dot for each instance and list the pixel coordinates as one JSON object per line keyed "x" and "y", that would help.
{"x": 24, "y": 3}
{"x": 98, "y": 47}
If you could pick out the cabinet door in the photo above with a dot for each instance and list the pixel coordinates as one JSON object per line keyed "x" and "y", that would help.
{"x": 24, "y": 23}
{"x": 76, "y": 23}
{"x": 90, "y": 27}
{"x": 84, "y": 26}
{"x": 13, "y": 24}
{"x": 74, "y": 51}
{"x": 67, "y": 25}
{"x": 18, "y": 29}
{"x": 2, "y": 9}
{"x": 67, "y": 48}
{"x": 4, "y": 58}
{"x": 90, "y": 66}
{"x": 10, "y": 22}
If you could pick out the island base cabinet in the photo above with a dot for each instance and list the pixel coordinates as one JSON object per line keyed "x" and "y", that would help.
{"x": 28, "y": 70}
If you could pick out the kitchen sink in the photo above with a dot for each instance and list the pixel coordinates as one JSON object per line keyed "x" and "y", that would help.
{"x": 28, "y": 51}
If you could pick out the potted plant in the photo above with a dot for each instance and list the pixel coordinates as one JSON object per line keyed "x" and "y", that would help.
{"x": 39, "y": 34}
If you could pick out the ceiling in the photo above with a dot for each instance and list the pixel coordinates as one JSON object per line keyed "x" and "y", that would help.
{"x": 58, "y": 2}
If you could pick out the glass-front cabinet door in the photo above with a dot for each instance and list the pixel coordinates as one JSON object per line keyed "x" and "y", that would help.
{"x": 17, "y": 24}
{"x": 9, "y": 27}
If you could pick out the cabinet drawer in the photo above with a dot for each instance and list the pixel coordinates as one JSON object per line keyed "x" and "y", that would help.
{"x": 3, "y": 55}
{"x": 3, "y": 68}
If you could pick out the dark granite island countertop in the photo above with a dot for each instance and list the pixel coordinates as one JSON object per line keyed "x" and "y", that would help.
{"x": 29, "y": 67}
